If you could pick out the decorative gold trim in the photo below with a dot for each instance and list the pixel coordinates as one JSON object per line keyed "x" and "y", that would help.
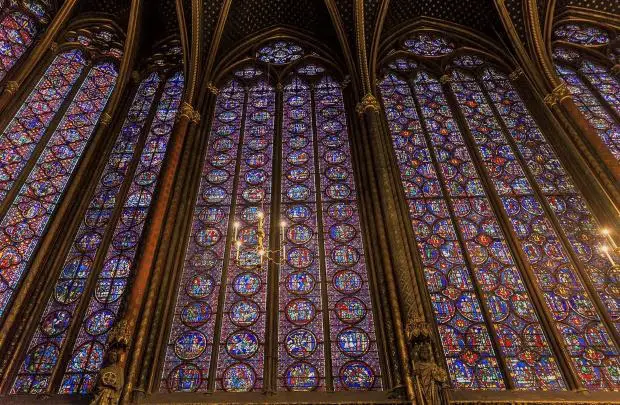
{"x": 11, "y": 87}
{"x": 105, "y": 119}
{"x": 368, "y": 102}
{"x": 186, "y": 111}
{"x": 213, "y": 89}
{"x": 558, "y": 94}
{"x": 516, "y": 74}
{"x": 445, "y": 79}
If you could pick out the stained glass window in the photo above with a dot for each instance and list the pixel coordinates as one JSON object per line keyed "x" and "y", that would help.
{"x": 593, "y": 87}
{"x": 26, "y": 219}
{"x": 104, "y": 302}
{"x": 457, "y": 208}
{"x": 17, "y": 30}
{"x": 59, "y": 315}
{"x": 320, "y": 279}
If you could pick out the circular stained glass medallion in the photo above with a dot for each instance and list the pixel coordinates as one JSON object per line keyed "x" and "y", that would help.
{"x": 337, "y": 173}
{"x": 300, "y": 257}
{"x": 298, "y": 174}
{"x": 199, "y": 286}
{"x": 239, "y": 377}
{"x": 299, "y": 234}
{"x": 350, "y": 310}
{"x": 300, "y": 311}
{"x": 42, "y": 358}
{"x": 345, "y": 255}
{"x": 207, "y": 237}
{"x": 214, "y": 195}
{"x": 342, "y": 233}
{"x": 353, "y": 342}
{"x": 297, "y": 142}
{"x": 300, "y": 282}
{"x": 246, "y": 284}
{"x": 357, "y": 376}
{"x": 244, "y": 313}
{"x": 298, "y": 158}
{"x": 298, "y": 212}
{"x": 253, "y": 194}
{"x": 190, "y": 345}
{"x": 242, "y": 344}
{"x": 184, "y": 378}
{"x": 55, "y": 323}
{"x": 301, "y": 376}
{"x": 347, "y": 281}
{"x": 298, "y": 192}
{"x": 300, "y": 343}
{"x": 279, "y": 52}
{"x": 340, "y": 211}
{"x": 195, "y": 314}
{"x": 99, "y": 322}
{"x": 338, "y": 191}
{"x": 212, "y": 215}
{"x": 255, "y": 177}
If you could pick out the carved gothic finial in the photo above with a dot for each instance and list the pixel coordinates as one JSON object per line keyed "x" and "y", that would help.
{"x": 558, "y": 94}
{"x": 11, "y": 87}
{"x": 214, "y": 90}
{"x": 54, "y": 47}
{"x": 105, "y": 119}
{"x": 369, "y": 102}
{"x": 516, "y": 74}
{"x": 445, "y": 79}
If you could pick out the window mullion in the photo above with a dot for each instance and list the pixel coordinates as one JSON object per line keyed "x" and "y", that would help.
{"x": 597, "y": 94}
{"x": 466, "y": 255}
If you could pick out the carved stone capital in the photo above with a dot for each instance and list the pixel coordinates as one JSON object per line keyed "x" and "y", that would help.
{"x": 516, "y": 74}
{"x": 558, "y": 94}
{"x": 186, "y": 111}
{"x": 369, "y": 102}
{"x": 213, "y": 89}
{"x": 445, "y": 79}
{"x": 11, "y": 87}
{"x": 105, "y": 119}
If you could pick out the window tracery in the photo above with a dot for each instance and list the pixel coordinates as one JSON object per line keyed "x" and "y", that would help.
{"x": 313, "y": 275}
{"x": 583, "y": 55}
{"x": 492, "y": 222}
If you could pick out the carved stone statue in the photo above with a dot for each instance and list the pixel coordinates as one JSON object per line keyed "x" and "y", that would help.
{"x": 110, "y": 384}
{"x": 429, "y": 378}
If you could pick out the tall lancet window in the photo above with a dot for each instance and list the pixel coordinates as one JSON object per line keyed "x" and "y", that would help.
{"x": 273, "y": 292}
{"x": 510, "y": 249}
{"x": 67, "y": 348}
{"x": 20, "y": 22}
{"x": 40, "y": 158}
{"x": 584, "y": 56}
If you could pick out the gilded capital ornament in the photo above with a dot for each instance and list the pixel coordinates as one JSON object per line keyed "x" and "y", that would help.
{"x": 558, "y": 94}
{"x": 214, "y": 90}
{"x": 369, "y": 102}
{"x": 105, "y": 119}
{"x": 445, "y": 79}
{"x": 186, "y": 111}
{"x": 11, "y": 87}
{"x": 516, "y": 74}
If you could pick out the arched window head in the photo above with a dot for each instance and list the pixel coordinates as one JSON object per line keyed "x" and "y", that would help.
{"x": 276, "y": 220}
{"x": 93, "y": 275}
{"x": 20, "y": 22}
{"x": 584, "y": 55}
{"x": 494, "y": 213}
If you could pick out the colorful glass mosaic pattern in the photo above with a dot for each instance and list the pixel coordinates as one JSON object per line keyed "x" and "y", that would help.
{"x": 301, "y": 362}
{"x": 17, "y": 31}
{"x": 88, "y": 350}
{"x": 25, "y": 222}
{"x": 607, "y": 85}
{"x": 241, "y": 353}
{"x": 28, "y": 126}
{"x": 190, "y": 345}
{"x": 354, "y": 357}
{"x": 581, "y": 34}
{"x": 464, "y": 334}
{"x": 429, "y": 44}
{"x": 279, "y": 52}
{"x": 592, "y": 351}
{"x": 567, "y": 203}
{"x": 59, "y": 315}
